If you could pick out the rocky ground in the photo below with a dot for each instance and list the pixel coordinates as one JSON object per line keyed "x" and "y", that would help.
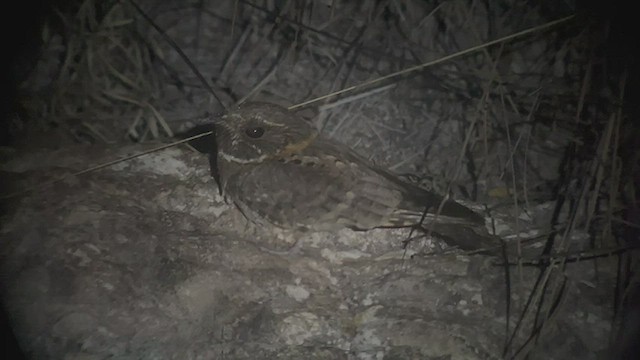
{"x": 145, "y": 260}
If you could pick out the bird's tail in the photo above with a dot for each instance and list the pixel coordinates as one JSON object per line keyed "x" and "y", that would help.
{"x": 454, "y": 223}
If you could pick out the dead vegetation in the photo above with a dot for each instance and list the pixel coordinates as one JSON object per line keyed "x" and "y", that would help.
{"x": 531, "y": 127}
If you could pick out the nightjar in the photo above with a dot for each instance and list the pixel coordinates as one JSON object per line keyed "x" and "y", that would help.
{"x": 277, "y": 169}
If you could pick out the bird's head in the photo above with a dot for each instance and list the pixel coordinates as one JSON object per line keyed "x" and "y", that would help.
{"x": 256, "y": 131}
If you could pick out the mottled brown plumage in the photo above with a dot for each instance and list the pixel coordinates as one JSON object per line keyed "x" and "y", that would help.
{"x": 277, "y": 169}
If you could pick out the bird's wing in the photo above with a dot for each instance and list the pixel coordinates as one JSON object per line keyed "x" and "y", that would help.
{"x": 328, "y": 187}
{"x": 315, "y": 190}
{"x": 413, "y": 201}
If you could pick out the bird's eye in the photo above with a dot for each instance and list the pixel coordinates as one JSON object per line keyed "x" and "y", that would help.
{"x": 254, "y": 132}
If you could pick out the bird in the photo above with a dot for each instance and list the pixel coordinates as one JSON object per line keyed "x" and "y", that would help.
{"x": 279, "y": 170}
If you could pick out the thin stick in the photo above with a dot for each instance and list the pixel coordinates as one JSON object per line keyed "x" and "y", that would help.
{"x": 437, "y": 61}
{"x": 102, "y": 166}
{"x": 175, "y": 46}
{"x": 193, "y": 68}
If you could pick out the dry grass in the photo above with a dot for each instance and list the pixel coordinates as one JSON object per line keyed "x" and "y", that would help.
{"x": 108, "y": 84}
{"x": 523, "y": 122}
